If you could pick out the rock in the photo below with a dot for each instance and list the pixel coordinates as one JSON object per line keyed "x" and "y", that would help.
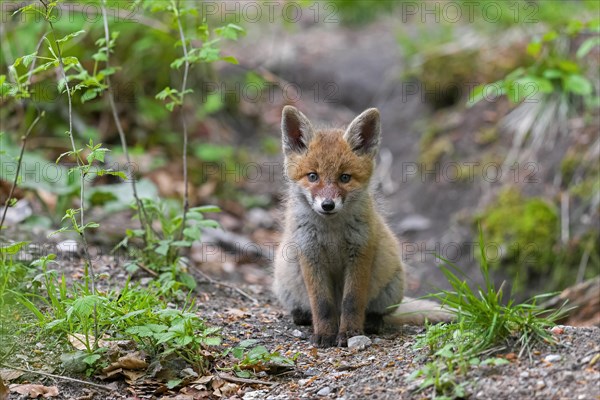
{"x": 540, "y": 385}
{"x": 67, "y": 246}
{"x": 298, "y": 333}
{"x": 552, "y": 358}
{"x": 524, "y": 374}
{"x": 17, "y": 213}
{"x": 359, "y": 342}
{"x": 414, "y": 223}
{"x": 557, "y": 330}
{"x": 255, "y": 395}
{"x": 188, "y": 373}
{"x": 324, "y": 391}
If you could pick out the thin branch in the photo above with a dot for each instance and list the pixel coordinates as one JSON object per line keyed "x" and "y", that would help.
{"x": 65, "y": 378}
{"x": 235, "y": 379}
{"x": 14, "y": 184}
{"x": 80, "y": 163}
{"x": 186, "y": 204}
{"x": 217, "y": 283}
{"x": 142, "y": 215}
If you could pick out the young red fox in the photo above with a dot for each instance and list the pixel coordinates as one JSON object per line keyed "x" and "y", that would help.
{"x": 338, "y": 266}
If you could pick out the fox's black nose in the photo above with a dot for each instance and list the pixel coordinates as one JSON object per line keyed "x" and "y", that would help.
{"x": 327, "y": 205}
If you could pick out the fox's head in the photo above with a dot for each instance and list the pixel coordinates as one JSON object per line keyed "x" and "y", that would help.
{"x": 332, "y": 167}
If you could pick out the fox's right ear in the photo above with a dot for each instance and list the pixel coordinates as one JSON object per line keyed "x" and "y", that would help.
{"x": 296, "y": 130}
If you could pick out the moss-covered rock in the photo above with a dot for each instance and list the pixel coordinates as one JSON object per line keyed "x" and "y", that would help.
{"x": 525, "y": 234}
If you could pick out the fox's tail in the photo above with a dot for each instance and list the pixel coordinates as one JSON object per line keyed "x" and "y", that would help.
{"x": 416, "y": 312}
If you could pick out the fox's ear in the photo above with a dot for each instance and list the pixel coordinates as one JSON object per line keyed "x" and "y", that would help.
{"x": 364, "y": 132}
{"x": 296, "y": 130}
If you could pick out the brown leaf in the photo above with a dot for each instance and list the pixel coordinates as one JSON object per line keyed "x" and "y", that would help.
{"x": 34, "y": 391}
{"x": 10, "y": 374}
{"x": 203, "y": 380}
{"x": 78, "y": 341}
{"x": 3, "y": 390}
{"x": 133, "y": 361}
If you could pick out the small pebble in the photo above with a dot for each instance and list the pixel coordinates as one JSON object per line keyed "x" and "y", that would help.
{"x": 324, "y": 391}
{"x": 359, "y": 342}
{"x": 558, "y": 330}
{"x": 552, "y": 358}
{"x": 540, "y": 385}
{"x": 524, "y": 374}
{"x": 298, "y": 333}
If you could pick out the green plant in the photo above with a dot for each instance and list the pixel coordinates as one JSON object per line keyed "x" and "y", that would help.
{"x": 485, "y": 322}
{"x": 161, "y": 254}
{"x": 252, "y": 359}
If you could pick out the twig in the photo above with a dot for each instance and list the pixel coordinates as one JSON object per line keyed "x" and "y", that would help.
{"x": 217, "y": 283}
{"x": 186, "y": 69}
{"x": 143, "y": 216}
{"x": 14, "y": 184}
{"x": 65, "y": 378}
{"x": 80, "y": 163}
{"x": 148, "y": 270}
{"x": 235, "y": 379}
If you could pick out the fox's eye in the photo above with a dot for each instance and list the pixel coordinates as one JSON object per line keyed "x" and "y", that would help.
{"x": 313, "y": 177}
{"x": 344, "y": 178}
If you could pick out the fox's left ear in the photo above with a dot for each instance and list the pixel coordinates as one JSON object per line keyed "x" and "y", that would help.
{"x": 364, "y": 132}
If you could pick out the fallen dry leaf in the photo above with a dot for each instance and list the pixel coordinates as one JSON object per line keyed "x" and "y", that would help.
{"x": 34, "y": 391}
{"x": 10, "y": 374}
{"x": 78, "y": 341}
{"x": 3, "y": 390}
{"x": 133, "y": 361}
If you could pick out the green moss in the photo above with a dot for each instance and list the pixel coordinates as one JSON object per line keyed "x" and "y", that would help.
{"x": 487, "y": 135}
{"x": 433, "y": 152}
{"x": 525, "y": 233}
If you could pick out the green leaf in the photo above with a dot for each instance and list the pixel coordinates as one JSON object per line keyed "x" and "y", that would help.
{"x": 534, "y": 48}
{"x": 173, "y": 383}
{"x": 70, "y": 60}
{"x": 578, "y": 84}
{"x": 89, "y": 95}
{"x": 83, "y": 306}
{"x": 13, "y": 248}
{"x": 25, "y": 60}
{"x": 549, "y": 36}
{"x": 476, "y": 95}
{"x": 91, "y": 359}
{"x": 212, "y": 341}
{"x": 70, "y": 36}
{"x": 247, "y": 343}
{"x": 230, "y": 59}
{"x": 552, "y": 73}
{"x": 587, "y": 46}
{"x": 100, "y": 57}
{"x": 257, "y": 352}
{"x": 568, "y": 66}
{"x": 163, "y": 247}
{"x": 230, "y": 31}
{"x": 192, "y": 233}
{"x": 539, "y": 84}
{"x": 188, "y": 280}
{"x": 206, "y": 209}
{"x": 209, "y": 223}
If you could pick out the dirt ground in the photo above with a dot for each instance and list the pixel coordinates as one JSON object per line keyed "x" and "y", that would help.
{"x": 568, "y": 370}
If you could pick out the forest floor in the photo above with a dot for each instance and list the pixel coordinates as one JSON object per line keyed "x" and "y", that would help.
{"x": 569, "y": 369}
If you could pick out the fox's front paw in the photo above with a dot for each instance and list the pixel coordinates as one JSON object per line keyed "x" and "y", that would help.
{"x": 323, "y": 340}
{"x": 342, "y": 337}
